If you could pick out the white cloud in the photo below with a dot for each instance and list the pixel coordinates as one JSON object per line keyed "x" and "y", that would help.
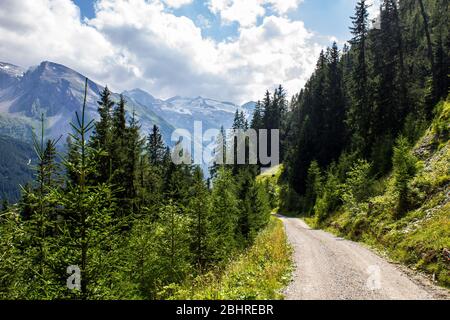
{"x": 177, "y": 3}
{"x": 203, "y": 22}
{"x": 245, "y": 12}
{"x": 374, "y": 8}
{"x": 136, "y": 43}
{"x": 283, "y": 6}
{"x": 36, "y": 30}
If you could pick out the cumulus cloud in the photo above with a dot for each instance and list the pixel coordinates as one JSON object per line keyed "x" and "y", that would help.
{"x": 283, "y": 6}
{"x": 177, "y": 3}
{"x": 36, "y": 30}
{"x": 246, "y": 12}
{"x": 137, "y": 43}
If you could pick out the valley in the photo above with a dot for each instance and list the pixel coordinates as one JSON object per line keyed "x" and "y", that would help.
{"x": 56, "y": 91}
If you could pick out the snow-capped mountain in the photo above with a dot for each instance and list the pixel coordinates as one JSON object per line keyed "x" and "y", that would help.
{"x": 57, "y": 92}
{"x": 9, "y": 74}
{"x": 181, "y": 112}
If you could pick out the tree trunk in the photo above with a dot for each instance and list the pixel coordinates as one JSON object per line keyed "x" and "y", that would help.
{"x": 428, "y": 36}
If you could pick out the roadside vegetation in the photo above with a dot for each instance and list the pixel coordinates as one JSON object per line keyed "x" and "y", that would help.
{"x": 406, "y": 213}
{"x": 409, "y": 214}
{"x": 258, "y": 274}
{"x": 365, "y": 143}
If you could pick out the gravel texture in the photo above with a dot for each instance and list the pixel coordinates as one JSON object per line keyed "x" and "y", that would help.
{"x": 331, "y": 268}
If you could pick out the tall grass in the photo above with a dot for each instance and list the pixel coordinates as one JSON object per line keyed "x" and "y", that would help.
{"x": 258, "y": 274}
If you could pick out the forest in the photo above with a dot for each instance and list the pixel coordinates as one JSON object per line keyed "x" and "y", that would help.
{"x": 138, "y": 226}
{"x": 358, "y": 138}
{"x": 120, "y": 211}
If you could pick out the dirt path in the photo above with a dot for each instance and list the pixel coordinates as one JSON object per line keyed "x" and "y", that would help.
{"x": 328, "y": 267}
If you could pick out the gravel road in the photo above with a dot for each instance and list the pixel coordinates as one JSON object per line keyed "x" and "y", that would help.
{"x": 331, "y": 268}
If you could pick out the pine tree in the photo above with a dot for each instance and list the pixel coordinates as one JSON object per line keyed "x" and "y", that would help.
{"x": 134, "y": 146}
{"x": 199, "y": 209}
{"x": 225, "y": 215}
{"x": 102, "y": 136}
{"x": 358, "y": 118}
{"x": 256, "y": 209}
{"x": 119, "y": 132}
{"x": 172, "y": 245}
{"x": 220, "y": 151}
{"x": 39, "y": 206}
{"x": 428, "y": 36}
{"x": 155, "y": 146}
{"x": 88, "y": 213}
{"x": 313, "y": 186}
{"x": 334, "y": 136}
{"x": 257, "y": 120}
{"x": 441, "y": 83}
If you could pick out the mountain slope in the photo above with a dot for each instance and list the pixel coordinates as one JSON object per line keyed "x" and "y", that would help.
{"x": 16, "y": 161}
{"x": 181, "y": 112}
{"x": 57, "y": 92}
{"x": 9, "y": 74}
{"x": 420, "y": 238}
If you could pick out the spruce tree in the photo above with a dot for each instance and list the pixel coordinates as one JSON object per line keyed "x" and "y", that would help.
{"x": 87, "y": 213}
{"x": 102, "y": 136}
{"x": 172, "y": 244}
{"x": 358, "y": 120}
{"x": 199, "y": 209}
{"x": 156, "y": 147}
{"x": 225, "y": 215}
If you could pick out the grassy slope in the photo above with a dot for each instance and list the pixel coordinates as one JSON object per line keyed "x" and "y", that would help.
{"x": 14, "y": 168}
{"x": 421, "y": 238}
{"x": 258, "y": 274}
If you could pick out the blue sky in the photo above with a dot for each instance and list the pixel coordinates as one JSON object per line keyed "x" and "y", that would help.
{"x": 232, "y": 50}
{"x": 326, "y": 17}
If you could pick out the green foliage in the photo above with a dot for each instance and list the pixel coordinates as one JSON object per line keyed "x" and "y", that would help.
{"x": 441, "y": 123}
{"x": 172, "y": 245}
{"x": 199, "y": 210}
{"x": 224, "y": 215}
{"x": 102, "y": 136}
{"x": 405, "y": 168}
{"x": 89, "y": 228}
{"x": 141, "y": 227}
{"x": 134, "y": 223}
{"x": 155, "y": 146}
{"x": 357, "y": 188}
{"x": 330, "y": 196}
{"x": 259, "y": 274}
{"x": 415, "y": 231}
{"x": 14, "y": 168}
{"x": 257, "y": 209}
{"x": 358, "y": 101}
{"x": 414, "y": 128}
{"x": 314, "y": 183}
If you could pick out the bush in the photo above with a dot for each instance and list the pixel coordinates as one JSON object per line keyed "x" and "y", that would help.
{"x": 290, "y": 201}
{"x": 405, "y": 168}
{"x": 441, "y": 123}
{"x": 357, "y": 188}
{"x": 329, "y": 200}
{"x": 259, "y": 274}
{"x": 314, "y": 183}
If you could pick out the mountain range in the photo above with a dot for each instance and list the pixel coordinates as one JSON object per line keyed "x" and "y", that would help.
{"x": 57, "y": 92}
